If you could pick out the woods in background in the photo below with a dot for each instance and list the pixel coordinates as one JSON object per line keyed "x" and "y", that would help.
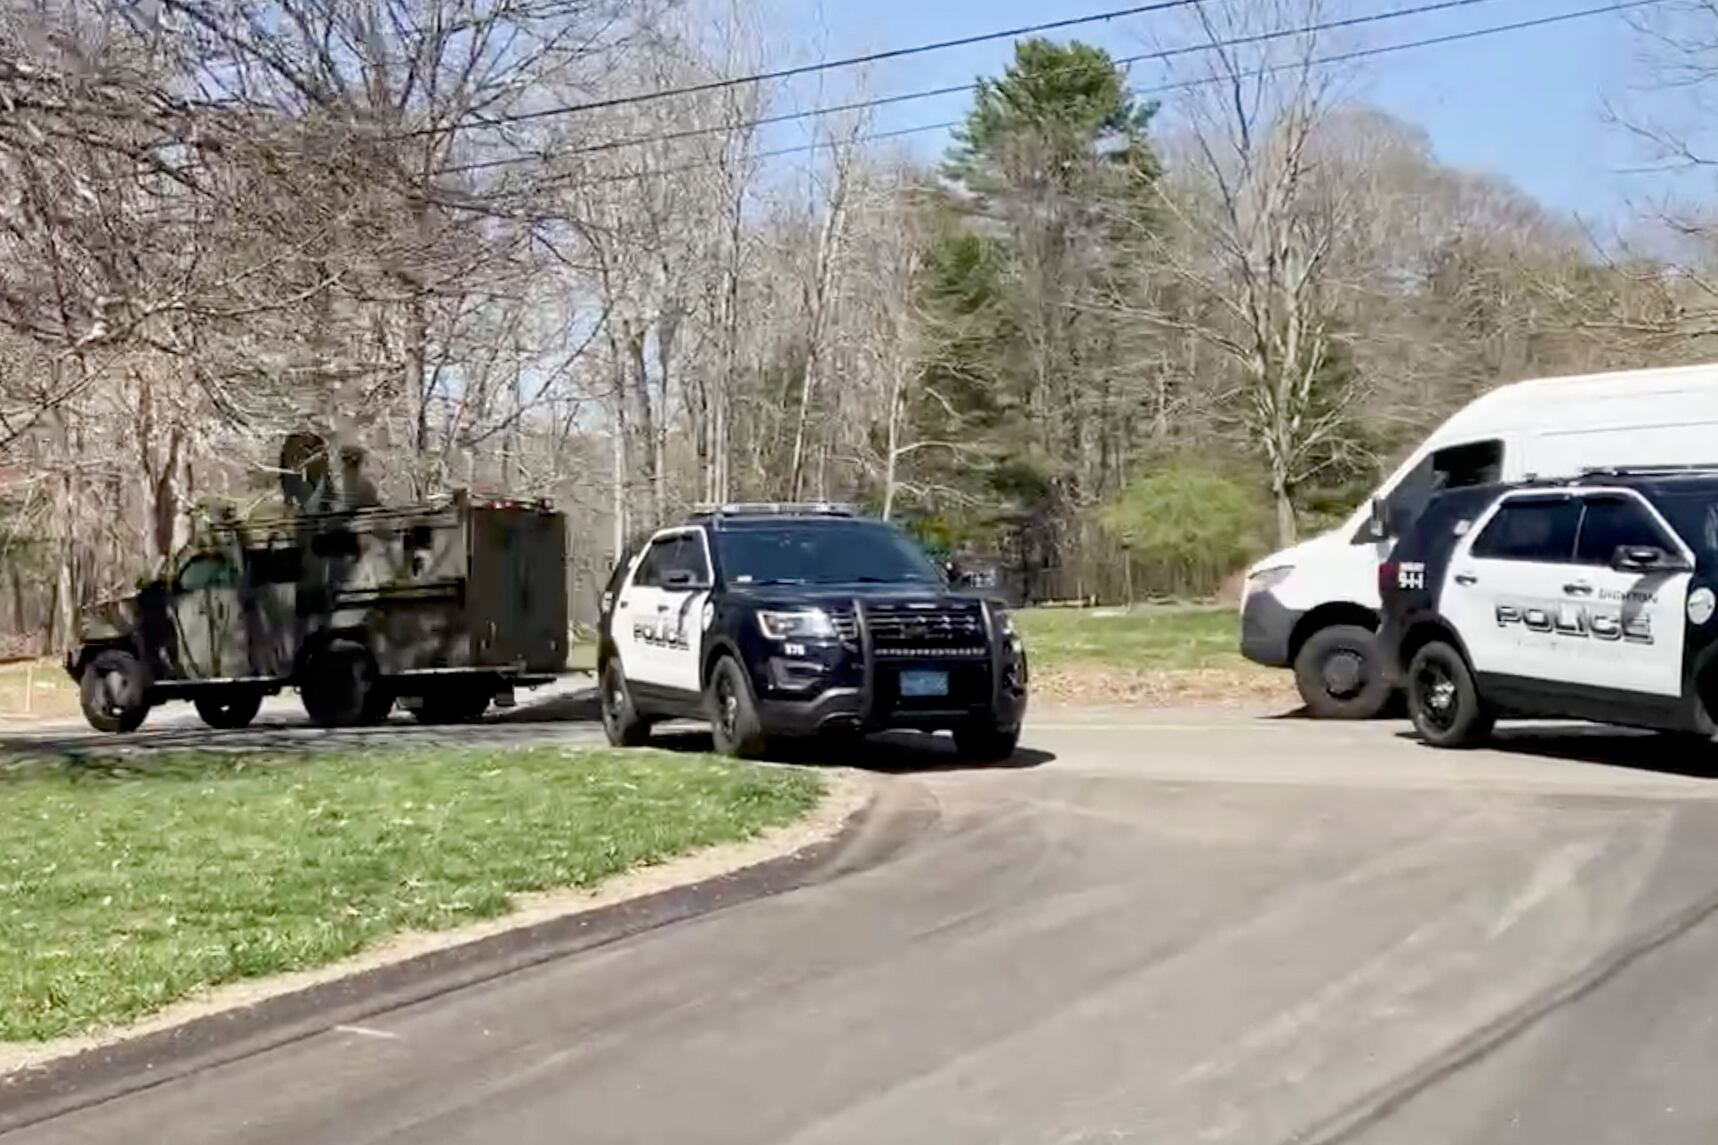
{"x": 429, "y": 228}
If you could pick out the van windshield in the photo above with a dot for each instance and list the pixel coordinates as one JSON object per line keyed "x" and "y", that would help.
{"x": 1453, "y": 467}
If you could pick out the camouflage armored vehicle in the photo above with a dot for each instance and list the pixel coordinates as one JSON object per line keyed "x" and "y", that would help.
{"x": 441, "y": 607}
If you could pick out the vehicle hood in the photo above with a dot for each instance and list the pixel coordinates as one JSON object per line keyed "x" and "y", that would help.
{"x": 109, "y": 619}
{"x": 838, "y": 595}
{"x": 1300, "y": 554}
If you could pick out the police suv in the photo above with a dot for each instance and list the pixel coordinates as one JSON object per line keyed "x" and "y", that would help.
{"x": 1590, "y": 598}
{"x": 802, "y": 620}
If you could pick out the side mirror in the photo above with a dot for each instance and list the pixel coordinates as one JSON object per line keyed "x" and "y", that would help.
{"x": 680, "y": 578}
{"x": 1646, "y": 558}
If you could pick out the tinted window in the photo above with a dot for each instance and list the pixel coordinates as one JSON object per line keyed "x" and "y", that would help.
{"x": 1531, "y": 531}
{"x": 1455, "y": 467}
{"x": 206, "y": 572}
{"x": 336, "y": 543}
{"x": 844, "y": 552}
{"x": 1611, "y": 522}
{"x": 1694, "y": 515}
{"x": 275, "y": 566}
{"x": 683, "y": 552}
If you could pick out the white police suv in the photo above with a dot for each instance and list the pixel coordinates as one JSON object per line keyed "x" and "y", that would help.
{"x": 1590, "y": 598}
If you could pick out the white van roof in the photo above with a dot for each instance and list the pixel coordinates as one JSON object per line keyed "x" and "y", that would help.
{"x": 1542, "y": 399}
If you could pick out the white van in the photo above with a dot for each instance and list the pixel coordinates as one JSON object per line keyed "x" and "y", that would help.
{"x": 1314, "y": 607}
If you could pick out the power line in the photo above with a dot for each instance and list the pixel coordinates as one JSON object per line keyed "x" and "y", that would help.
{"x": 956, "y": 89}
{"x": 819, "y": 66}
{"x": 1183, "y": 85}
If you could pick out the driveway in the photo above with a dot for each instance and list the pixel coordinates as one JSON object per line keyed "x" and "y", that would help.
{"x": 1184, "y": 928}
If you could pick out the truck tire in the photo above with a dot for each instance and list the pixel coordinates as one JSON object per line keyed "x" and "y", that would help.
{"x": 734, "y": 722}
{"x": 338, "y": 685}
{"x": 1339, "y": 674}
{"x": 620, "y": 719}
{"x": 228, "y": 709}
{"x": 114, "y": 691}
{"x": 1443, "y": 700}
{"x": 985, "y": 743}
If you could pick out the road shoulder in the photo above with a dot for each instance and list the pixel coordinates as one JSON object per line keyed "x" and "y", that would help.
{"x": 41, "y": 1080}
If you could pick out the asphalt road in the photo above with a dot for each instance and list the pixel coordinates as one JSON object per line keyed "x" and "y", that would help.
{"x": 1191, "y": 928}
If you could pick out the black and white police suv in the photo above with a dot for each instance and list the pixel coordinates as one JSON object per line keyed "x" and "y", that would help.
{"x": 1589, "y": 599}
{"x": 802, "y": 620}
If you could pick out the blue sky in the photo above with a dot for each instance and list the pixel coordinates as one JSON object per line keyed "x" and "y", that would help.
{"x": 1526, "y": 104}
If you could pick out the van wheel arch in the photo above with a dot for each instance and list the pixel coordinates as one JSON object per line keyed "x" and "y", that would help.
{"x": 1328, "y": 616}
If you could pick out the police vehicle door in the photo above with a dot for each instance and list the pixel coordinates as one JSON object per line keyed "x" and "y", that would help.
{"x": 633, "y": 615}
{"x": 205, "y": 595}
{"x": 1623, "y": 627}
{"x": 683, "y": 593}
{"x": 1503, "y": 590}
{"x": 660, "y": 615}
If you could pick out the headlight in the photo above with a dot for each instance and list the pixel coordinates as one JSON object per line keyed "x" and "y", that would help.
{"x": 1269, "y": 578}
{"x": 1003, "y": 619}
{"x": 800, "y": 624}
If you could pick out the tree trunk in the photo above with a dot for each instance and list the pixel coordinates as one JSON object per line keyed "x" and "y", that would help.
{"x": 1286, "y": 529}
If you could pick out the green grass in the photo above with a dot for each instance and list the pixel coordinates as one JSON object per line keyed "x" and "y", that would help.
{"x": 1148, "y": 638}
{"x": 126, "y": 886}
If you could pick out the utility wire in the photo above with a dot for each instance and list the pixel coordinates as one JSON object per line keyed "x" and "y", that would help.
{"x": 1183, "y": 85}
{"x": 819, "y": 66}
{"x": 957, "y": 89}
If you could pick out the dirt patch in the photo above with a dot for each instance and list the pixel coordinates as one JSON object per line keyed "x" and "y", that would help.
{"x": 1242, "y": 685}
{"x": 847, "y": 793}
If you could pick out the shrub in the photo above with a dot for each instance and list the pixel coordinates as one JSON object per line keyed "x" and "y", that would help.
{"x": 1185, "y": 526}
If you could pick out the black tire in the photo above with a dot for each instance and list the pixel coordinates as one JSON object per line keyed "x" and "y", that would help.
{"x": 379, "y": 704}
{"x": 734, "y": 722}
{"x": 228, "y": 709}
{"x": 453, "y": 706}
{"x": 1340, "y": 674}
{"x": 1443, "y": 701}
{"x": 620, "y": 719}
{"x": 985, "y": 743}
{"x": 338, "y": 686}
{"x": 114, "y": 691}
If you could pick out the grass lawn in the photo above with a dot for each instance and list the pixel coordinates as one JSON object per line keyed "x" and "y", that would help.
{"x": 127, "y": 885}
{"x": 1155, "y": 637}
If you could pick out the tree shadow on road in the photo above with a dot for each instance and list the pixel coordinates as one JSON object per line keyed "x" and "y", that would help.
{"x": 1665, "y": 753}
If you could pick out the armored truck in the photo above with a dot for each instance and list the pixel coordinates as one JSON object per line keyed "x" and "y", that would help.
{"x": 442, "y": 607}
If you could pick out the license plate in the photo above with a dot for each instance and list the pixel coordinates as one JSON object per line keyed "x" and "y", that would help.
{"x": 919, "y": 684}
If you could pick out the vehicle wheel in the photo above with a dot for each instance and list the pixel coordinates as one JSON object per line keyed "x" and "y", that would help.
{"x": 378, "y": 704}
{"x": 114, "y": 691}
{"x": 985, "y": 743}
{"x": 620, "y": 720}
{"x": 224, "y": 709}
{"x": 1442, "y": 699}
{"x": 734, "y": 722}
{"x": 338, "y": 685}
{"x": 455, "y": 706}
{"x": 1339, "y": 674}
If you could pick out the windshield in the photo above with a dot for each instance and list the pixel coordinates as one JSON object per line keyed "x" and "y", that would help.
{"x": 848, "y": 552}
{"x": 1694, "y": 514}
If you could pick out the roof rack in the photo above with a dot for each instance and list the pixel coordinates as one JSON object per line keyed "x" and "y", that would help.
{"x": 774, "y": 509}
{"x": 1649, "y": 470}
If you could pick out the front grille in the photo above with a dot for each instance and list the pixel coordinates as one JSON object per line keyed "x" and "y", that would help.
{"x": 913, "y": 629}
{"x": 846, "y": 624}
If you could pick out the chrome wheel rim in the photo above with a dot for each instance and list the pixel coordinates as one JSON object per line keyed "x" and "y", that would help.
{"x": 1436, "y": 696}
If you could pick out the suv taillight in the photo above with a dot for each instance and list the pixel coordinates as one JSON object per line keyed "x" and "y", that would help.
{"x": 1386, "y": 577}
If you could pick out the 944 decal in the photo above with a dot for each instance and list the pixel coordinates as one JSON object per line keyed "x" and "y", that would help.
{"x": 1578, "y": 621}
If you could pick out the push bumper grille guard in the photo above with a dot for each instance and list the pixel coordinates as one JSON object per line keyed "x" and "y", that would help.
{"x": 993, "y": 652}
